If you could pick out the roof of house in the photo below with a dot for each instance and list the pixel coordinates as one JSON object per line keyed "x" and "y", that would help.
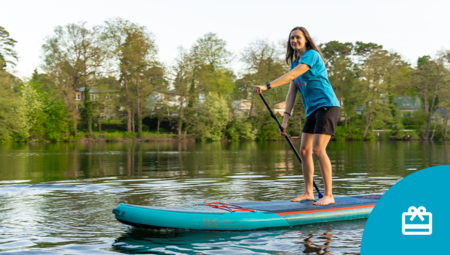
{"x": 95, "y": 90}
{"x": 443, "y": 111}
{"x": 360, "y": 108}
{"x": 402, "y": 103}
{"x": 406, "y": 103}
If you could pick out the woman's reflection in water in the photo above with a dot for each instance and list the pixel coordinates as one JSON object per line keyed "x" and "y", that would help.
{"x": 319, "y": 249}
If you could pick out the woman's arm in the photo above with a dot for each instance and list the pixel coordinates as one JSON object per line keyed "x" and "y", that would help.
{"x": 290, "y": 100}
{"x": 294, "y": 73}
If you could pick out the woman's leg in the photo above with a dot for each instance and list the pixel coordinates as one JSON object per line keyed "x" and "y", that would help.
{"x": 306, "y": 150}
{"x": 320, "y": 143}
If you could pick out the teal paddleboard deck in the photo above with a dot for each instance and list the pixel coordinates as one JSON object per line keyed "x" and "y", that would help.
{"x": 246, "y": 215}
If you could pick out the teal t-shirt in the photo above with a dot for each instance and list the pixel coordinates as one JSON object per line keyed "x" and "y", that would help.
{"x": 314, "y": 85}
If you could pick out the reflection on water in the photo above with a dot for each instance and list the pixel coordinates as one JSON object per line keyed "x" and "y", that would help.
{"x": 57, "y": 198}
{"x": 322, "y": 238}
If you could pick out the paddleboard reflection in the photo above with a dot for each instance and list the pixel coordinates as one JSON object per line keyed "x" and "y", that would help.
{"x": 320, "y": 238}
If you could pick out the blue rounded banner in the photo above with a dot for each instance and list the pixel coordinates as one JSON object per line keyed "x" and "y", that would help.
{"x": 412, "y": 217}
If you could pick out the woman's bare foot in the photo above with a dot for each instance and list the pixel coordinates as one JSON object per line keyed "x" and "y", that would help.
{"x": 305, "y": 196}
{"x": 325, "y": 200}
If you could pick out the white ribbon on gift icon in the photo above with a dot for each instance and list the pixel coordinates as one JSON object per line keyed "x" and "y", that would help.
{"x": 417, "y": 212}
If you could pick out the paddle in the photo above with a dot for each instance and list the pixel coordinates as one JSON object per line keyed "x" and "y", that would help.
{"x": 287, "y": 138}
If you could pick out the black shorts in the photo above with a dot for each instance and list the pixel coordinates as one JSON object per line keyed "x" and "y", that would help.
{"x": 322, "y": 121}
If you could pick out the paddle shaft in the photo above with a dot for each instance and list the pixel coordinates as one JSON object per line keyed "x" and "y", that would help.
{"x": 288, "y": 139}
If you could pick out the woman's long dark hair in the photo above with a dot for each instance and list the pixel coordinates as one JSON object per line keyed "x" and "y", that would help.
{"x": 292, "y": 54}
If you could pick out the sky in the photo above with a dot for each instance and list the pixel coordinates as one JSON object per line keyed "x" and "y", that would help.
{"x": 411, "y": 28}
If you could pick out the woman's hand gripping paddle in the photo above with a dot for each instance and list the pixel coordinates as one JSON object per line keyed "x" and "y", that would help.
{"x": 287, "y": 139}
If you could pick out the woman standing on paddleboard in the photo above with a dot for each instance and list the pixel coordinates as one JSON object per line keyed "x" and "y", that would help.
{"x": 309, "y": 76}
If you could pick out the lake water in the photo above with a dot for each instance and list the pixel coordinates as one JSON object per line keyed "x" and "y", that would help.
{"x": 57, "y": 198}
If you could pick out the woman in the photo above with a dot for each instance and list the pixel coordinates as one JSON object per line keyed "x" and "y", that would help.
{"x": 309, "y": 75}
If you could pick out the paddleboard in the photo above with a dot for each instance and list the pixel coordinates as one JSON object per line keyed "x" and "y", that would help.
{"x": 246, "y": 215}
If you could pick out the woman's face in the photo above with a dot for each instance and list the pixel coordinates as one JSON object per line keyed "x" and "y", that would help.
{"x": 297, "y": 40}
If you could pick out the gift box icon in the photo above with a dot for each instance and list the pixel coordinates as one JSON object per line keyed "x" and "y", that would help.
{"x": 417, "y": 221}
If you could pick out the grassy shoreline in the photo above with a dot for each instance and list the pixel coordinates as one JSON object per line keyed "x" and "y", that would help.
{"x": 112, "y": 136}
{"x": 123, "y": 136}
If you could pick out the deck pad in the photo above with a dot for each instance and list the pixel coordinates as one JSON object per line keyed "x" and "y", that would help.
{"x": 281, "y": 206}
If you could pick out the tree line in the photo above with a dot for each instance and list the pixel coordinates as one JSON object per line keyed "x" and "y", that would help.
{"x": 117, "y": 62}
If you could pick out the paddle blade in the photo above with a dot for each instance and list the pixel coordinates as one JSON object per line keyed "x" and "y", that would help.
{"x": 320, "y": 194}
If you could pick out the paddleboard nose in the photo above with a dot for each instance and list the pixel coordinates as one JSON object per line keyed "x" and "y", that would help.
{"x": 117, "y": 212}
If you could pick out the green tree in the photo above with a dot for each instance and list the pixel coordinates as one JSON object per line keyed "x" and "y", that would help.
{"x": 211, "y": 118}
{"x": 73, "y": 57}
{"x": 94, "y": 54}
{"x": 339, "y": 65}
{"x": 210, "y": 58}
{"x": 429, "y": 82}
{"x": 108, "y": 103}
{"x": 341, "y": 74}
{"x": 205, "y": 69}
{"x": 134, "y": 52}
{"x": 376, "y": 86}
{"x": 445, "y": 54}
{"x": 422, "y": 83}
{"x": 47, "y": 117}
{"x": 118, "y": 34}
{"x": 155, "y": 80}
{"x": 438, "y": 75}
{"x": 146, "y": 73}
{"x": 182, "y": 73}
{"x": 13, "y": 124}
{"x": 7, "y": 53}
{"x": 263, "y": 63}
